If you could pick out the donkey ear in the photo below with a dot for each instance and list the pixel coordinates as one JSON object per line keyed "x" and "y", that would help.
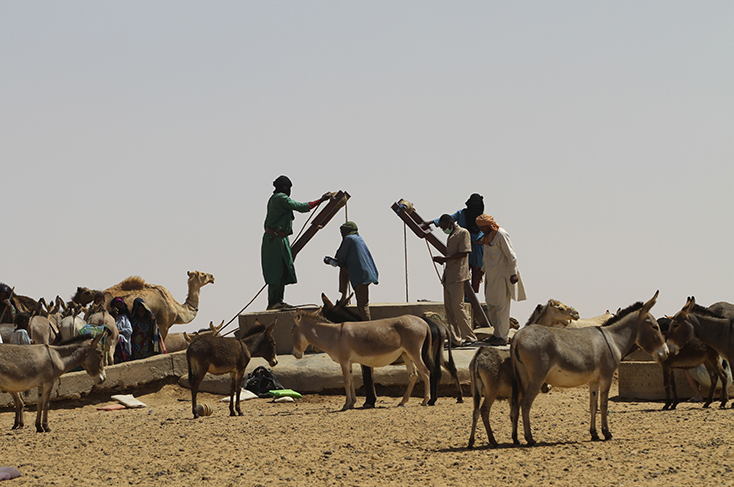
{"x": 269, "y": 329}
{"x": 690, "y": 303}
{"x": 326, "y": 301}
{"x": 98, "y": 338}
{"x": 648, "y": 306}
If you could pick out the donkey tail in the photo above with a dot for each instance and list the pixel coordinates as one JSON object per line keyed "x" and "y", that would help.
{"x": 516, "y": 380}
{"x": 476, "y": 383}
{"x": 426, "y": 352}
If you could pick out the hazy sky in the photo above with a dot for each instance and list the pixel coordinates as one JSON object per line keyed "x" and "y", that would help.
{"x": 142, "y": 138}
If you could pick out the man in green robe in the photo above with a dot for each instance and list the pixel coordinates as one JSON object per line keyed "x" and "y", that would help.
{"x": 277, "y": 259}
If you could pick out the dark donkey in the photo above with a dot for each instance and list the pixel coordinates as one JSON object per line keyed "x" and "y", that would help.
{"x": 711, "y": 328}
{"x": 339, "y": 313}
{"x": 692, "y": 354}
{"x": 221, "y": 355}
{"x": 573, "y": 357}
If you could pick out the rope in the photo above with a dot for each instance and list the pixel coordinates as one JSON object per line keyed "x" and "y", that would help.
{"x": 434, "y": 262}
{"x": 405, "y": 247}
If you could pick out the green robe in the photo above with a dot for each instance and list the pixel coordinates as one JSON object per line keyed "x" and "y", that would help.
{"x": 277, "y": 260}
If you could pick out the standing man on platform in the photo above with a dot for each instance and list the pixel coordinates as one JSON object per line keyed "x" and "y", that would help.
{"x": 456, "y": 273}
{"x": 277, "y": 260}
{"x": 502, "y": 277}
{"x": 356, "y": 267}
{"x": 466, "y": 218}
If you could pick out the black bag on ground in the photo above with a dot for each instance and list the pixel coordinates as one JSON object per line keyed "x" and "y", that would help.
{"x": 260, "y": 381}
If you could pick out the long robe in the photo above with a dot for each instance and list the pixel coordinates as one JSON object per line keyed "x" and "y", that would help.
{"x": 500, "y": 263}
{"x": 277, "y": 260}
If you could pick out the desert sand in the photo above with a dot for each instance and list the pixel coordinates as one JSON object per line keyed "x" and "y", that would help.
{"x": 312, "y": 442}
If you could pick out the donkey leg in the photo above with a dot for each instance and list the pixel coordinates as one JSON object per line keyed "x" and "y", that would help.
{"x": 238, "y": 387}
{"x": 412, "y": 377}
{"x": 232, "y": 387}
{"x": 673, "y": 388}
{"x": 195, "y": 378}
{"x": 348, "y": 386}
{"x": 604, "y": 404}
{"x": 593, "y": 404}
{"x": 724, "y": 386}
{"x": 666, "y": 385}
{"x": 486, "y": 408}
{"x": 526, "y": 403}
{"x": 426, "y": 376}
{"x": 46, "y": 406}
{"x": 18, "y": 410}
{"x": 713, "y": 379}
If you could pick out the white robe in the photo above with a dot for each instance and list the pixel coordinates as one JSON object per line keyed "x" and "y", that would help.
{"x": 500, "y": 263}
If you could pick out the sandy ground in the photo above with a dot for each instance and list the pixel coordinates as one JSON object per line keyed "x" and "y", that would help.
{"x": 311, "y": 442}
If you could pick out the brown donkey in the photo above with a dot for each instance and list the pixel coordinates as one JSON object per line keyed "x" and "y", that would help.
{"x": 228, "y": 355}
{"x": 573, "y": 357}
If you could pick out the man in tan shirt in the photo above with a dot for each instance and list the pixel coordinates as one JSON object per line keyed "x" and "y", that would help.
{"x": 456, "y": 273}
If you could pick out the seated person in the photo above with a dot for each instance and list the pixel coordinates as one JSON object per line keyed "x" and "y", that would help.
{"x": 146, "y": 338}
{"x": 20, "y": 335}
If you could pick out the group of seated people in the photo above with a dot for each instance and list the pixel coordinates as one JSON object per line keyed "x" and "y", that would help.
{"x": 139, "y": 333}
{"x": 139, "y": 338}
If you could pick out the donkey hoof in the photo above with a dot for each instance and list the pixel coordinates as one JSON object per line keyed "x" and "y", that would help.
{"x": 532, "y": 442}
{"x": 459, "y": 400}
{"x": 368, "y": 405}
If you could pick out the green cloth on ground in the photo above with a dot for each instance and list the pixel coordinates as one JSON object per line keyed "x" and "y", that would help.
{"x": 285, "y": 393}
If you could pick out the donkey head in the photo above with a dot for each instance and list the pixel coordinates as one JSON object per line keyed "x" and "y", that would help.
{"x": 94, "y": 360}
{"x": 266, "y": 347}
{"x": 300, "y": 343}
{"x": 681, "y": 326}
{"x": 649, "y": 336}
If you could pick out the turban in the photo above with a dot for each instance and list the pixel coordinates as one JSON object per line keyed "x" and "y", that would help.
{"x": 475, "y": 198}
{"x": 282, "y": 181}
{"x": 485, "y": 220}
{"x": 349, "y": 228}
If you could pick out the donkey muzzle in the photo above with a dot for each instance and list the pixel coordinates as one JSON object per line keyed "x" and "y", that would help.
{"x": 662, "y": 353}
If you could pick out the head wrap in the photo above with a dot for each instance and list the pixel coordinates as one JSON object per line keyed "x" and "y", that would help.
{"x": 4, "y": 288}
{"x": 474, "y": 208}
{"x": 282, "y": 181}
{"x": 348, "y": 228}
{"x": 475, "y": 198}
{"x": 485, "y": 220}
{"x": 119, "y": 303}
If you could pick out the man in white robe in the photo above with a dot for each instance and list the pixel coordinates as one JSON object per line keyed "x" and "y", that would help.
{"x": 502, "y": 281}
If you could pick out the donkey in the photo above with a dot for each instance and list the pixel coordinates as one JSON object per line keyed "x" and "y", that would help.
{"x": 228, "y": 355}
{"x": 709, "y": 327}
{"x": 692, "y": 354}
{"x": 373, "y": 343}
{"x": 492, "y": 377}
{"x": 41, "y": 328}
{"x": 23, "y": 367}
{"x": 339, "y": 313}
{"x": 572, "y": 357}
{"x": 104, "y": 318}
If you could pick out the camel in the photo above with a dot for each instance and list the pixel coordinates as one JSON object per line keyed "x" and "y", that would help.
{"x": 167, "y": 310}
{"x": 595, "y": 321}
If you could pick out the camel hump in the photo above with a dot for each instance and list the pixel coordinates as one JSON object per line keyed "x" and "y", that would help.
{"x": 133, "y": 283}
